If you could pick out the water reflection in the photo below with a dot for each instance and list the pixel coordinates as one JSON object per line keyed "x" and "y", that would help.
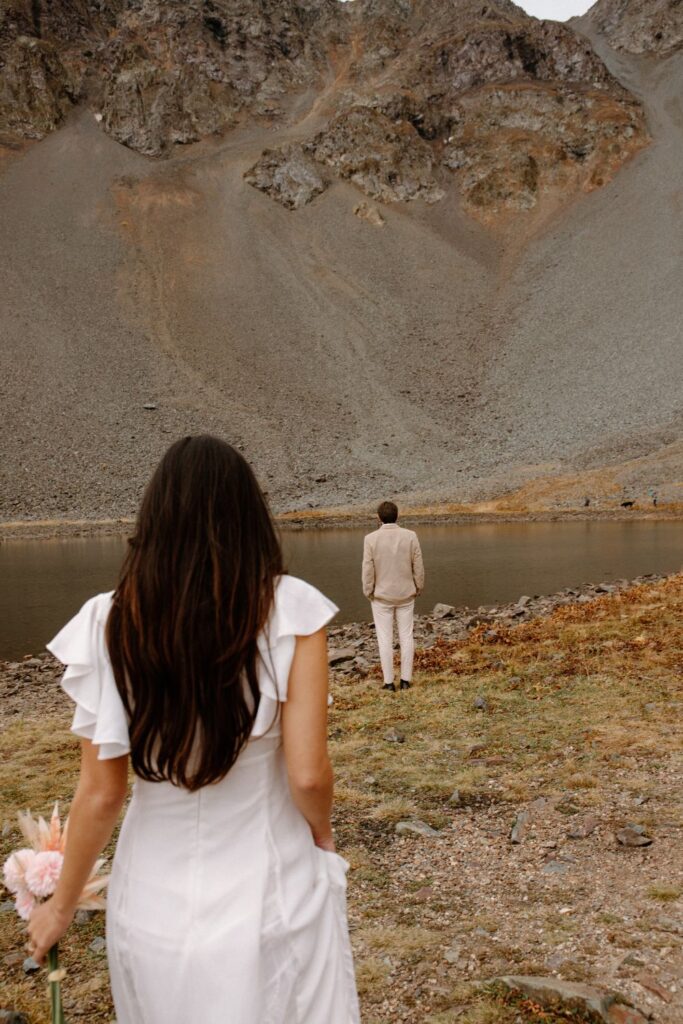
{"x": 43, "y": 582}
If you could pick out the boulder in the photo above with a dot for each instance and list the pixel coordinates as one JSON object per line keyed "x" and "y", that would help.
{"x": 553, "y": 993}
{"x": 287, "y": 174}
{"x": 633, "y": 835}
{"x": 416, "y": 828}
{"x": 338, "y": 655}
{"x": 443, "y": 611}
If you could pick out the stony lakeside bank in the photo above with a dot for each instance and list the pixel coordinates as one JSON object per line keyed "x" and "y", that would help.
{"x": 342, "y": 518}
{"x": 353, "y": 647}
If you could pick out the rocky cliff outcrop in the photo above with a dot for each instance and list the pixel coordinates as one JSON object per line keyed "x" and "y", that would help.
{"x": 182, "y": 72}
{"x": 640, "y": 26}
{"x": 161, "y": 73}
{"x": 508, "y": 108}
{"x": 426, "y": 96}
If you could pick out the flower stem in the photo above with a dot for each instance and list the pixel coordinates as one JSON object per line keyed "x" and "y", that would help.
{"x": 55, "y": 987}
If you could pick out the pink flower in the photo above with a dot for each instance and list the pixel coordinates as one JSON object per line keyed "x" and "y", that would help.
{"x": 15, "y": 869}
{"x": 42, "y": 874}
{"x": 24, "y": 902}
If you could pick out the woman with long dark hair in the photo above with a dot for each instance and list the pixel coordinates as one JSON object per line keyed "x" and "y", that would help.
{"x": 206, "y": 668}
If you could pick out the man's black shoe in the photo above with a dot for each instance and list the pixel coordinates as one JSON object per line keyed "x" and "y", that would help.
{"x": 405, "y": 685}
{"x": 389, "y": 686}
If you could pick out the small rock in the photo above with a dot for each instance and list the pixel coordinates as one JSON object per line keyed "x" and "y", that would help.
{"x": 584, "y": 828}
{"x": 150, "y": 406}
{"x": 669, "y": 924}
{"x": 394, "y": 736}
{"x": 476, "y": 748}
{"x": 633, "y": 835}
{"x": 30, "y": 966}
{"x": 84, "y": 916}
{"x": 416, "y": 828}
{"x": 453, "y": 953}
{"x": 632, "y": 960}
{"x": 519, "y": 827}
{"x": 98, "y": 945}
{"x": 480, "y": 703}
{"x": 6, "y": 907}
{"x": 338, "y": 655}
{"x": 455, "y": 798}
{"x": 443, "y": 611}
{"x": 567, "y": 806}
{"x": 369, "y": 213}
{"x": 653, "y": 985}
{"x": 32, "y": 663}
{"x": 362, "y": 665}
{"x": 618, "y": 1013}
{"x": 12, "y": 1017}
{"x": 480, "y": 619}
{"x": 524, "y": 601}
{"x": 555, "y": 867}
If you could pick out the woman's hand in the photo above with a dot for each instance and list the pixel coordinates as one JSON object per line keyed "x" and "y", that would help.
{"x": 46, "y": 926}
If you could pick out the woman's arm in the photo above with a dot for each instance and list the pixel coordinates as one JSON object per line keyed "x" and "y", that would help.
{"x": 96, "y": 806}
{"x": 304, "y": 736}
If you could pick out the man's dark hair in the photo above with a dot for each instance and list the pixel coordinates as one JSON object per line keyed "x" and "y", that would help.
{"x": 388, "y": 512}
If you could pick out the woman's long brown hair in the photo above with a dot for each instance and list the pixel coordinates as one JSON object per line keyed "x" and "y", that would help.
{"x": 195, "y": 591}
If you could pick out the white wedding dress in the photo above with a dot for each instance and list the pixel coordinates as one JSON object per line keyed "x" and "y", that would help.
{"x": 221, "y": 910}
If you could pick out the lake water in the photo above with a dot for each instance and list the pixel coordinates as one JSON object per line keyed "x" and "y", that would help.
{"x": 42, "y": 583}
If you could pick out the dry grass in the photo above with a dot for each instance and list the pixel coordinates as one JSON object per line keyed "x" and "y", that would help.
{"x": 576, "y": 701}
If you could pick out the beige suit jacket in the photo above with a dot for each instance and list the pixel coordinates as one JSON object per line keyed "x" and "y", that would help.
{"x": 393, "y": 571}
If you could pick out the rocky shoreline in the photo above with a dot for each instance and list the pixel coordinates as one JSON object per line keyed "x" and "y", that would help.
{"x": 346, "y": 518}
{"x": 352, "y": 646}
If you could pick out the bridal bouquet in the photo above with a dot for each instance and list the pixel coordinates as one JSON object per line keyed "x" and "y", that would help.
{"x": 31, "y": 875}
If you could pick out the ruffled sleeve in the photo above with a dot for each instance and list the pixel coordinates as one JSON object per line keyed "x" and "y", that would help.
{"x": 89, "y": 679}
{"x": 298, "y": 610}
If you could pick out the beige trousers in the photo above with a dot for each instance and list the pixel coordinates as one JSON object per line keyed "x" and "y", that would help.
{"x": 384, "y": 615}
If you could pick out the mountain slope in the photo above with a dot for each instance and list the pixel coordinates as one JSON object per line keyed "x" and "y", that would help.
{"x": 439, "y": 349}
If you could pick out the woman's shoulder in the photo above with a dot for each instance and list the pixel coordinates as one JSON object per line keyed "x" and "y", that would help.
{"x": 299, "y": 608}
{"x": 80, "y": 629}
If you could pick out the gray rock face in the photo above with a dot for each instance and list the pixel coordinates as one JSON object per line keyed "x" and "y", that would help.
{"x": 178, "y": 73}
{"x": 34, "y": 88}
{"x": 161, "y": 73}
{"x": 431, "y": 94}
{"x": 640, "y": 26}
{"x": 387, "y": 158}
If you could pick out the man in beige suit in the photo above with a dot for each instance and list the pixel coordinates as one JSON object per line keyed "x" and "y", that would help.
{"x": 393, "y": 576}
